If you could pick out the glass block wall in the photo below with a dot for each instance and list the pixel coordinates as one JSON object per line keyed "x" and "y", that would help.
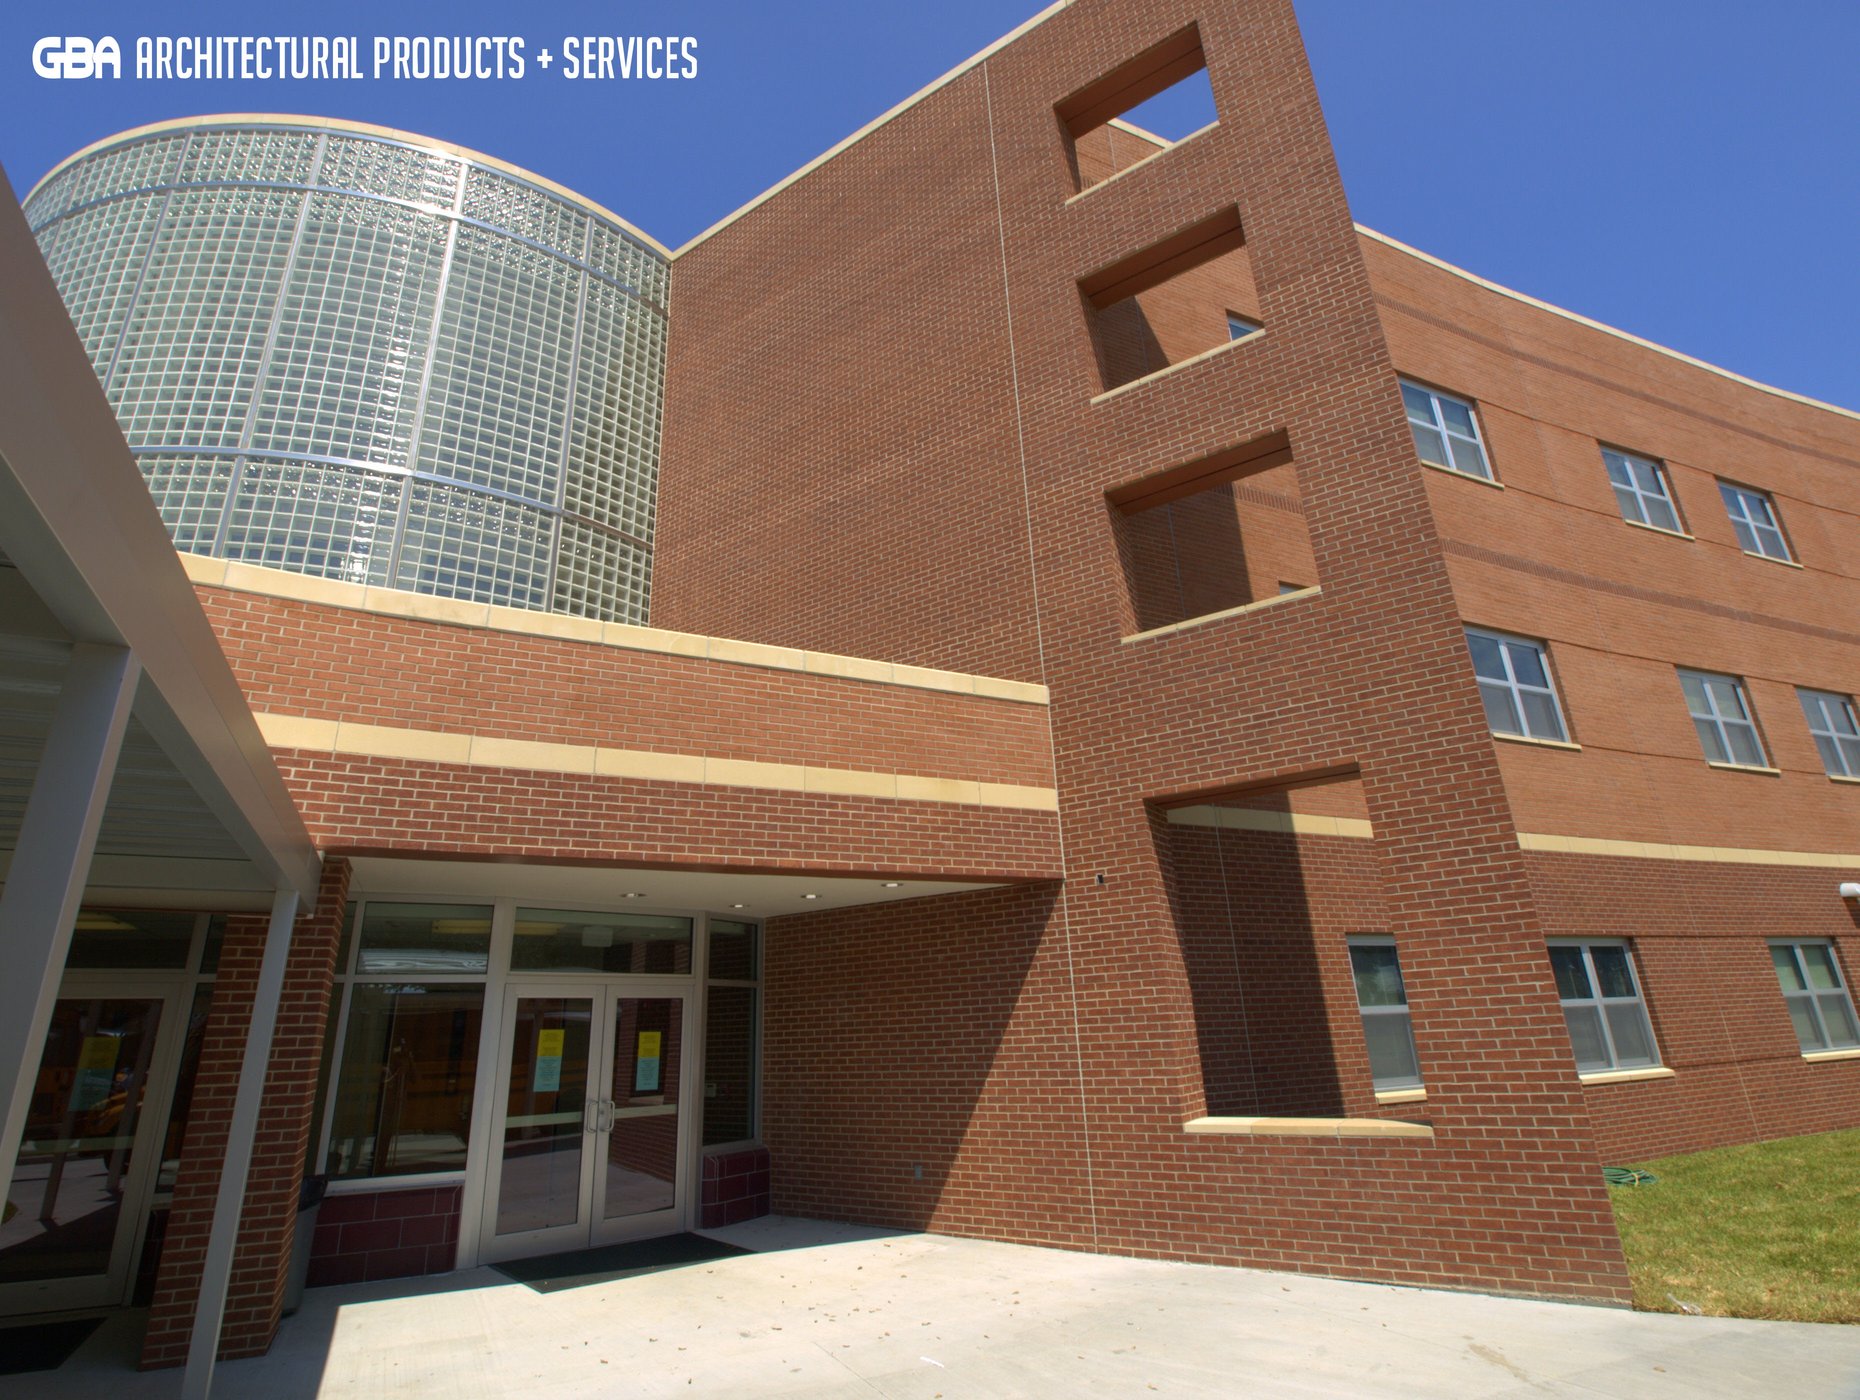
{"x": 356, "y": 355}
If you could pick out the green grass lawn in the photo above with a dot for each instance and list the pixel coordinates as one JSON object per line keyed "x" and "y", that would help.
{"x": 1769, "y": 1230}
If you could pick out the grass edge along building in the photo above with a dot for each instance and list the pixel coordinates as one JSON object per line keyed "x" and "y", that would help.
{"x": 1227, "y": 739}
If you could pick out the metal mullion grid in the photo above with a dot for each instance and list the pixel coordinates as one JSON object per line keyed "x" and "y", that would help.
{"x": 651, "y": 495}
{"x": 1823, "y": 723}
{"x": 1641, "y": 496}
{"x": 1519, "y": 687}
{"x": 456, "y": 213}
{"x": 1738, "y": 505}
{"x": 1402, "y": 1010}
{"x": 263, "y": 369}
{"x": 568, "y": 415}
{"x": 415, "y": 438}
{"x": 338, "y": 1035}
{"x": 1808, "y": 994}
{"x": 1601, "y": 1003}
{"x": 754, "y": 985}
{"x": 148, "y": 256}
{"x": 1721, "y": 722}
{"x": 1472, "y": 415}
{"x": 345, "y": 979}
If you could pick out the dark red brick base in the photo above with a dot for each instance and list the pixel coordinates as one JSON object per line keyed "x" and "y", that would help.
{"x": 735, "y": 1187}
{"x": 387, "y": 1234}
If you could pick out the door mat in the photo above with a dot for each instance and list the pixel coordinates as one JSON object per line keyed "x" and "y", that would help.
{"x": 42, "y": 1346}
{"x": 578, "y": 1268}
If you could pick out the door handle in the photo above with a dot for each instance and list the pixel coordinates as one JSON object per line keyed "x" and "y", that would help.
{"x": 591, "y": 1116}
{"x": 606, "y": 1118}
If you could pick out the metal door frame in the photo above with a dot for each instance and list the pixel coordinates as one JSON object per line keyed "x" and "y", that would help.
{"x": 604, "y": 993}
{"x": 115, "y": 1285}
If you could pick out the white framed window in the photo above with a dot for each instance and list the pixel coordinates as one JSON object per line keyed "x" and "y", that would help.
{"x": 1817, "y": 997}
{"x": 1446, "y": 431}
{"x": 1832, "y": 721}
{"x": 1753, "y": 516}
{"x": 1641, "y": 490}
{"x": 1514, "y": 682}
{"x": 1387, "y": 1026}
{"x": 1240, "y": 327}
{"x": 1722, "y": 715}
{"x": 1603, "y": 1006}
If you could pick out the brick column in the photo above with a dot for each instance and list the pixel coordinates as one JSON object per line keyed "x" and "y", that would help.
{"x": 268, "y": 1222}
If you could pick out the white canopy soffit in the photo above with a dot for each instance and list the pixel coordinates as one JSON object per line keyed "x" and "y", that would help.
{"x": 198, "y": 814}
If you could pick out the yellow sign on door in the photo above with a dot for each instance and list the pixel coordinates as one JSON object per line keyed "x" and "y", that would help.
{"x": 646, "y": 1063}
{"x": 549, "y": 1044}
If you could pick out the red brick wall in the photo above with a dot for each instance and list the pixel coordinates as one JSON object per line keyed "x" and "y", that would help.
{"x": 1549, "y": 557}
{"x": 296, "y": 658}
{"x": 1370, "y": 674}
{"x": 385, "y": 1234}
{"x": 1223, "y": 547}
{"x": 1264, "y": 920}
{"x": 268, "y": 1222}
{"x": 921, "y": 1072}
{"x": 1698, "y": 933}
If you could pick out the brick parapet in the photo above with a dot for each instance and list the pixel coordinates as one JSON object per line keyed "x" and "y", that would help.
{"x": 379, "y": 806}
{"x": 318, "y": 661}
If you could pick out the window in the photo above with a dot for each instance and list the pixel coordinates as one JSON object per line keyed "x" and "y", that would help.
{"x": 1446, "y": 434}
{"x": 1837, "y": 733}
{"x": 1818, "y": 1002}
{"x": 1387, "y": 1026}
{"x": 401, "y": 1058}
{"x": 1608, "y": 1026}
{"x": 1721, "y": 714}
{"x": 730, "y": 1033}
{"x": 1514, "y": 682}
{"x": 1753, "y": 516}
{"x": 1641, "y": 490}
{"x": 1240, "y": 327}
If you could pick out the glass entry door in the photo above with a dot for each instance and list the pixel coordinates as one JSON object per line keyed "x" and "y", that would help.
{"x": 588, "y": 1146}
{"x": 78, "y": 1192}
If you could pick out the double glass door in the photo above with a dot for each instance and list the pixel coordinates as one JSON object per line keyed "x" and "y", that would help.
{"x": 78, "y": 1192}
{"x": 588, "y": 1143}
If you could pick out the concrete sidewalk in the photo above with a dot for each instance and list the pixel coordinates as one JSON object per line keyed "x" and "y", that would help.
{"x": 836, "y": 1311}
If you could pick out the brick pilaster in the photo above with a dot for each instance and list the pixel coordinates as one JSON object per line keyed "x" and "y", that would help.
{"x": 267, "y": 1225}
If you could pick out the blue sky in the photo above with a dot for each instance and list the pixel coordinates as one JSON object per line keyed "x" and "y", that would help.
{"x": 1685, "y": 171}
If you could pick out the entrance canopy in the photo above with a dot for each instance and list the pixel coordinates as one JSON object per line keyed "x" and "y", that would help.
{"x": 196, "y": 812}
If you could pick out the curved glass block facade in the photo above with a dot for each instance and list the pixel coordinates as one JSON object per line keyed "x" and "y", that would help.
{"x": 352, "y": 354}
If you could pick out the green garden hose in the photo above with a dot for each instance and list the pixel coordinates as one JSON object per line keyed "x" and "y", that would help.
{"x": 1627, "y": 1176}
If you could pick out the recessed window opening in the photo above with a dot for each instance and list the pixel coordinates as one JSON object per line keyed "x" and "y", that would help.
{"x": 1214, "y": 534}
{"x": 1836, "y": 730}
{"x": 1641, "y": 490}
{"x": 1819, "y": 1005}
{"x": 1721, "y": 713}
{"x": 1514, "y": 682}
{"x": 1446, "y": 431}
{"x": 1181, "y": 297}
{"x": 1753, "y": 517}
{"x": 1141, "y": 107}
{"x": 1388, "y": 1028}
{"x": 1603, "y": 1007}
{"x": 1278, "y": 900}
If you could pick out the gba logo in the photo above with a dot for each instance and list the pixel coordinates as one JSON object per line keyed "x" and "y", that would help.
{"x": 76, "y": 57}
